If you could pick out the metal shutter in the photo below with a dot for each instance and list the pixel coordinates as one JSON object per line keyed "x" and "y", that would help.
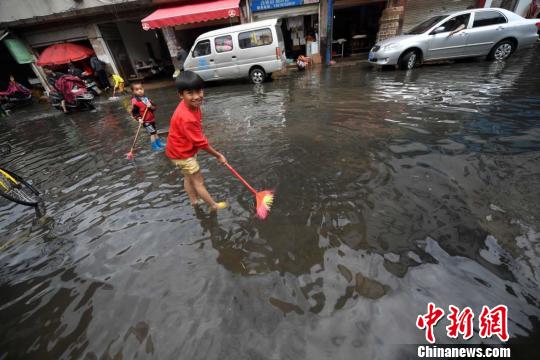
{"x": 417, "y": 11}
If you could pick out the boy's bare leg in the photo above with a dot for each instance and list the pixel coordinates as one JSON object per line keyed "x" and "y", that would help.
{"x": 188, "y": 186}
{"x": 198, "y": 184}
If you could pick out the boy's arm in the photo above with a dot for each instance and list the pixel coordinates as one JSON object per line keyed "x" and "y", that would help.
{"x": 219, "y": 156}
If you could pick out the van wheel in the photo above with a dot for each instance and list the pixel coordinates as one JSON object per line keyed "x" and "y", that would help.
{"x": 409, "y": 60}
{"x": 257, "y": 75}
{"x": 501, "y": 51}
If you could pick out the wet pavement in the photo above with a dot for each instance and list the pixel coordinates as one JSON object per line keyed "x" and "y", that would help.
{"x": 394, "y": 189}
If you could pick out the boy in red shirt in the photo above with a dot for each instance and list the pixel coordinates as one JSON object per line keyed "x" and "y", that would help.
{"x": 186, "y": 138}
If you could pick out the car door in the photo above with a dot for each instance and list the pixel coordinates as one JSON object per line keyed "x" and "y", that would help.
{"x": 443, "y": 43}
{"x": 488, "y": 28}
{"x": 225, "y": 58}
{"x": 203, "y": 60}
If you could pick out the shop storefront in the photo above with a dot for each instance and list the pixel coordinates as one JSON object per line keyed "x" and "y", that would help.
{"x": 138, "y": 54}
{"x": 122, "y": 44}
{"x": 17, "y": 61}
{"x": 417, "y": 11}
{"x": 299, "y": 24}
{"x": 182, "y": 24}
{"x": 118, "y": 41}
{"x": 356, "y": 24}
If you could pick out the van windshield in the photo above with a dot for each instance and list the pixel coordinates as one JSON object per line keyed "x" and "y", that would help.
{"x": 425, "y": 26}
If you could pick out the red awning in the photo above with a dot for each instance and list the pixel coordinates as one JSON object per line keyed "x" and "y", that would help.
{"x": 192, "y": 13}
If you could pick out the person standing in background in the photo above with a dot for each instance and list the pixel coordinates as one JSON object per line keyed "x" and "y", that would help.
{"x": 99, "y": 71}
{"x": 73, "y": 70}
{"x": 181, "y": 56}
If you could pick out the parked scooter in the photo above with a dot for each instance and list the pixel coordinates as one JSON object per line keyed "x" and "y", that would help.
{"x": 83, "y": 102}
{"x": 15, "y": 95}
{"x": 73, "y": 90}
{"x": 91, "y": 84}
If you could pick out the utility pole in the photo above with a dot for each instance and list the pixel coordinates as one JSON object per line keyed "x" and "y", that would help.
{"x": 326, "y": 24}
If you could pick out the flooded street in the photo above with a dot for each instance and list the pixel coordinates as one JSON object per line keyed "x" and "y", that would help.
{"x": 393, "y": 189}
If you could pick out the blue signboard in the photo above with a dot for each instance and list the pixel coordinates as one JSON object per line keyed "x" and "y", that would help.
{"x": 262, "y": 5}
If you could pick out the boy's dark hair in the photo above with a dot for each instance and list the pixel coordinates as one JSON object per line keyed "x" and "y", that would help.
{"x": 188, "y": 80}
{"x": 132, "y": 85}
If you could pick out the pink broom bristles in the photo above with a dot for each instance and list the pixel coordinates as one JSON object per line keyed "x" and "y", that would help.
{"x": 264, "y": 198}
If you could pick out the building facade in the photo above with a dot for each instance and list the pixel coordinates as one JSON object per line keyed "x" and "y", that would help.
{"x": 111, "y": 29}
{"x": 135, "y": 36}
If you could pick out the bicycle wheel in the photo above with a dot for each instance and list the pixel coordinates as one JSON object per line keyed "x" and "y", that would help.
{"x": 16, "y": 189}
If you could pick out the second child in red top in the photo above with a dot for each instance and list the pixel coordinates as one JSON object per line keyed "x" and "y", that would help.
{"x": 186, "y": 138}
{"x": 143, "y": 106}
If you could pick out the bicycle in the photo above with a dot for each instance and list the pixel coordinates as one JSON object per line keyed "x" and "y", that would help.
{"x": 14, "y": 188}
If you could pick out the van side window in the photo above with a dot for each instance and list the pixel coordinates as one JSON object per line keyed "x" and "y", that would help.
{"x": 255, "y": 38}
{"x": 202, "y": 48}
{"x": 223, "y": 43}
{"x": 486, "y": 18}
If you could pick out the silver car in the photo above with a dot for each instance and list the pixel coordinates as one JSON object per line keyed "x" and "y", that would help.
{"x": 491, "y": 32}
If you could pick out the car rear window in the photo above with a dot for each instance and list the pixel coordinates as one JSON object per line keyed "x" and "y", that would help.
{"x": 255, "y": 38}
{"x": 486, "y": 18}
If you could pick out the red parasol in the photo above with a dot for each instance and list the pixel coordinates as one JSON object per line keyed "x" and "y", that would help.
{"x": 58, "y": 54}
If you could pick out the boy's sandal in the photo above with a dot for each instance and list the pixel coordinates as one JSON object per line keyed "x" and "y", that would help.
{"x": 221, "y": 205}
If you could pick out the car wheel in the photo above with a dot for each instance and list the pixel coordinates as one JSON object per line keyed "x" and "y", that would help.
{"x": 409, "y": 60}
{"x": 257, "y": 75}
{"x": 501, "y": 51}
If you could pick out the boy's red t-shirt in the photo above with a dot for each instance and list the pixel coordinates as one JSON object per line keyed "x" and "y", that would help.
{"x": 185, "y": 133}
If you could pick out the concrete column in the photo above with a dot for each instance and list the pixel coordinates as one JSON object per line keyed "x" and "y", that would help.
{"x": 246, "y": 16}
{"x": 391, "y": 21}
{"x": 38, "y": 70}
{"x": 172, "y": 44}
{"x": 326, "y": 24}
{"x": 100, "y": 47}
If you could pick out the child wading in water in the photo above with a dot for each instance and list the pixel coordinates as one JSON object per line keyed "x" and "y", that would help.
{"x": 140, "y": 104}
{"x": 186, "y": 138}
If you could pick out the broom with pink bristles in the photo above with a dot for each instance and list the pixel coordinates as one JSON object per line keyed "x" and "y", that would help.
{"x": 130, "y": 155}
{"x": 264, "y": 198}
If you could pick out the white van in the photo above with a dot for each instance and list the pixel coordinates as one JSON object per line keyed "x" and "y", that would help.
{"x": 253, "y": 50}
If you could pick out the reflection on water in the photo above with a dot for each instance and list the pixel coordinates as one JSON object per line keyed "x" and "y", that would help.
{"x": 393, "y": 189}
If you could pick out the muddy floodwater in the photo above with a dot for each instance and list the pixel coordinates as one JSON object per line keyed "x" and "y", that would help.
{"x": 394, "y": 189}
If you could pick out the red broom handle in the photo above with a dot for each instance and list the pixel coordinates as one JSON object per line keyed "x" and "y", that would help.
{"x": 235, "y": 173}
{"x": 135, "y": 140}
{"x": 138, "y": 129}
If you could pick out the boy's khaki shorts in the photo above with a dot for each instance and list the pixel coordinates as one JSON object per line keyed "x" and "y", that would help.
{"x": 188, "y": 166}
